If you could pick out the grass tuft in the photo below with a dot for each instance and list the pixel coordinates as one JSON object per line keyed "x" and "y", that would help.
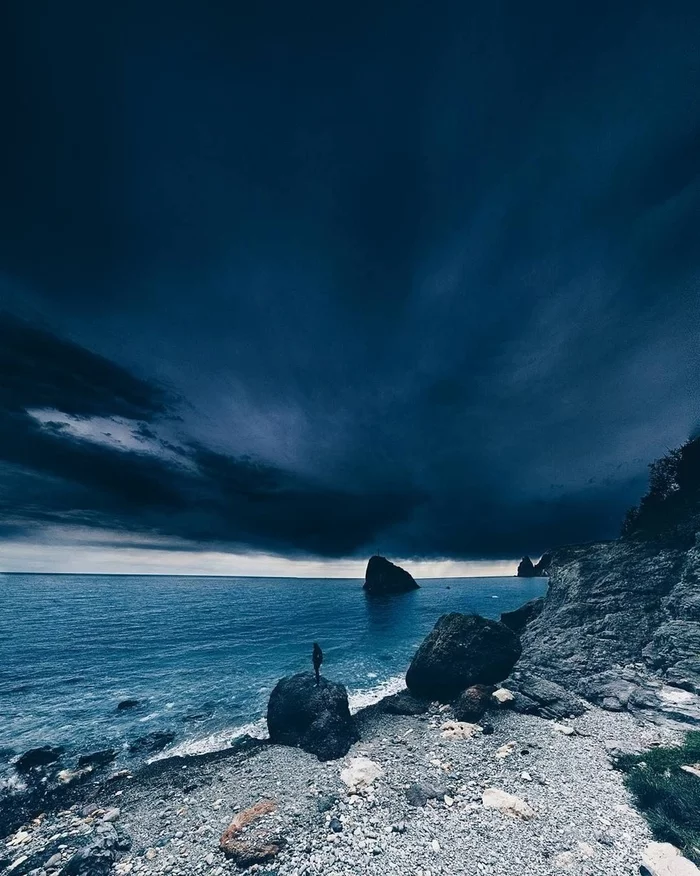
{"x": 668, "y": 796}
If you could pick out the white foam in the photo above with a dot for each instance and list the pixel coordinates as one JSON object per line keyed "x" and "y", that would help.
{"x": 222, "y": 739}
{"x": 360, "y": 699}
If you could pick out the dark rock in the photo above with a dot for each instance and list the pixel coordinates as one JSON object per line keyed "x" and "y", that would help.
{"x": 336, "y": 825}
{"x": 127, "y": 704}
{"x": 537, "y": 696}
{"x": 326, "y": 803}
{"x": 621, "y": 626}
{"x": 383, "y": 577}
{"x": 419, "y": 793}
{"x": 461, "y": 650}
{"x": 526, "y": 568}
{"x": 487, "y": 729}
{"x": 404, "y": 703}
{"x": 38, "y": 757}
{"x": 310, "y": 716}
{"x": 517, "y": 620}
{"x": 97, "y": 758}
{"x": 155, "y": 741}
{"x": 472, "y": 703}
{"x": 95, "y": 860}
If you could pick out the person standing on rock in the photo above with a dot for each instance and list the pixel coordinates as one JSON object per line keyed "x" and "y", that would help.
{"x": 317, "y": 658}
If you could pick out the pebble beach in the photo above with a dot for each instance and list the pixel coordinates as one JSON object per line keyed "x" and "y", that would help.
{"x": 418, "y": 795}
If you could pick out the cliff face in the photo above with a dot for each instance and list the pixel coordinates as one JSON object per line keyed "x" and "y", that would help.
{"x": 621, "y": 626}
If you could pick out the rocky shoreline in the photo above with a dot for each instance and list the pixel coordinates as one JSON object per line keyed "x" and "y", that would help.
{"x": 426, "y": 812}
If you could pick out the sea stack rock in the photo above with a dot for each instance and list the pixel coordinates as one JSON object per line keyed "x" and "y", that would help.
{"x": 383, "y": 577}
{"x": 526, "y": 568}
{"x": 461, "y": 650}
{"x": 315, "y": 717}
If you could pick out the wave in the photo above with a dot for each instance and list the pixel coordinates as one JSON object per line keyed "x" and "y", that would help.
{"x": 222, "y": 739}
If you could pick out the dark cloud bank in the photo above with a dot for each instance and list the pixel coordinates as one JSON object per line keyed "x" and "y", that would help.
{"x": 422, "y": 281}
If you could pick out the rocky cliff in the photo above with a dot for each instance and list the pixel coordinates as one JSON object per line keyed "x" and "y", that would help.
{"x": 620, "y": 625}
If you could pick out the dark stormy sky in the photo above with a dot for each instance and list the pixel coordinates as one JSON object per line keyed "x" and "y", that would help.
{"x": 313, "y": 281}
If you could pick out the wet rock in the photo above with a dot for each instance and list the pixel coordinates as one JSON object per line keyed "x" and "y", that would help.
{"x": 38, "y": 757}
{"x": 315, "y": 717}
{"x": 155, "y": 741}
{"x": 473, "y": 702}
{"x": 127, "y": 704}
{"x": 460, "y": 651}
{"x": 383, "y": 577}
{"x": 247, "y": 843}
{"x": 97, "y": 758}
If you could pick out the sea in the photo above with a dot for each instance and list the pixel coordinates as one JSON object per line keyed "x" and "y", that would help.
{"x": 201, "y": 654}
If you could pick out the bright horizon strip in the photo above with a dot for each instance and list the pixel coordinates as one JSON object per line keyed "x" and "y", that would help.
{"x": 71, "y": 558}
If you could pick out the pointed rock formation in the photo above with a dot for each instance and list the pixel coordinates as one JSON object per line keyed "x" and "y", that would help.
{"x": 383, "y": 577}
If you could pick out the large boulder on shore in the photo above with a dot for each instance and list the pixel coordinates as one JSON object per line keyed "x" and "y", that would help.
{"x": 383, "y": 577}
{"x": 460, "y": 651}
{"x": 314, "y": 717}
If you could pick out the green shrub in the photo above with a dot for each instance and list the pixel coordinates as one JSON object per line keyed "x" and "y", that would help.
{"x": 668, "y": 796}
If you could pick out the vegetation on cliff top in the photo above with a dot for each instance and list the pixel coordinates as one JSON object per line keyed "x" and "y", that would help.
{"x": 671, "y": 506}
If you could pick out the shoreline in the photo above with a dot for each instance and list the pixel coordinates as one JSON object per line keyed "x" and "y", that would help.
{"x": 174, "y": 809}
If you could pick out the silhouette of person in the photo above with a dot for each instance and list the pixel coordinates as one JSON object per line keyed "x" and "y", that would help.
{"x": 317, "y": 658}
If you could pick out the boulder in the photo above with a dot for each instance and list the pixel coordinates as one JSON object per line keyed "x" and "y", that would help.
{"x": 360, "y": 773}
{"x": 151, "y": 742}
{"x": 460, "y": 651}
{"x": 518, "y": 619}
{"x": 471, "y": 704}
{"x": 38, "y": 757}
{"x": 127, "y": 704}
{"x": 247, "y": 842}
{"x": 509, "y": 804}
{"x": 97, "y": 758}
{"x": 404, "y": 703}
{"x": 383, "y": 577}
{"x": 534, "y": 695}
{"x": 664, "y": 859}
{"x": 314, "y": 717}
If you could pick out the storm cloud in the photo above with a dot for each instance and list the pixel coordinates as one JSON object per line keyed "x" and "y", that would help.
{"x": 419, "y": 281}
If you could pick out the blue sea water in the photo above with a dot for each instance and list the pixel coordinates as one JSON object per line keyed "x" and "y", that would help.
{"x": 200, "y": 654}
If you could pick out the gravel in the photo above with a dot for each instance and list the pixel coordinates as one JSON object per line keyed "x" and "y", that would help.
{"x": 175, "y": 811}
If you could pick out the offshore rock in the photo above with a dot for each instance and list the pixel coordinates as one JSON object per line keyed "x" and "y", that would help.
{"x": 314, "y": 717}
{"x": 383, "y": 577}
{"x": 460, "y": 651}
{"x": 36, "y": 758}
